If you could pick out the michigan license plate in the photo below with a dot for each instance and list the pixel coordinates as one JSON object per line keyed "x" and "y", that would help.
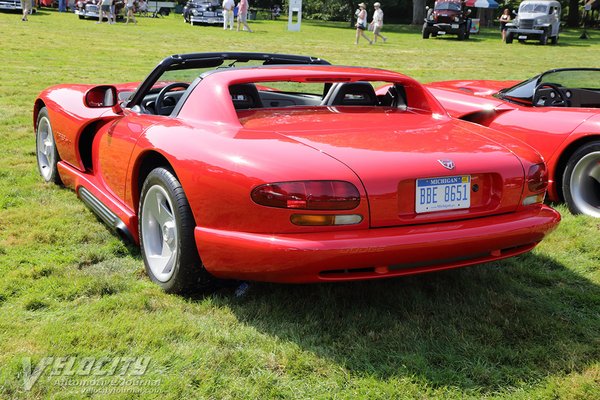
{"x": 444, "y": 193}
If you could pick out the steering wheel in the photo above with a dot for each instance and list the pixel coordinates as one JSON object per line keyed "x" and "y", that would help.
{"x": 556, "y": 98}
{"x": 158, "y": 103}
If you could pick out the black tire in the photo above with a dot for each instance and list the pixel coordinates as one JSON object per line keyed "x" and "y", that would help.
{"x": 544, "y": 38}
{"x": 461, "y": 32}
{"x": 46, "y": 154}
{"x": 81, "y": 17}
{"x": 554, "y": 40}
{"x": 580, "y": 190}
{"x": 426, "y": 31}
{"x": 509, "y": 38}
{"x": 186, "y": 266}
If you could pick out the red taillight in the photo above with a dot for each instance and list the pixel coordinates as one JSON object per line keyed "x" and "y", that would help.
{"x": 308, "y": 195}
{"x": 537, "y": 179}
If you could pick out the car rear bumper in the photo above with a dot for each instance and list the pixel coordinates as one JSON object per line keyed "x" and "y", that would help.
{"x": 372, "y": 253}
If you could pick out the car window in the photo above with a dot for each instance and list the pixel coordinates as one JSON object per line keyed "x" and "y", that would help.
{"x": 574, "y": 79}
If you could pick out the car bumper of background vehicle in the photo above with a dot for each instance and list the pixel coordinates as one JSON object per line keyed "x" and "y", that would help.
{"x": 526, "y": 32}
{"x": 372, "y": 253}
{"x": 207, "y": 20}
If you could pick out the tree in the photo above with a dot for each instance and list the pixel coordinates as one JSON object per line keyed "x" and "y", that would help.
{"x": 573, "y": 16}
{"x": 418, "y": 12}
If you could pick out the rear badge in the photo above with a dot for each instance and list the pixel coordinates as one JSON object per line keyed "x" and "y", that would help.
{"x": 448, "y": 164}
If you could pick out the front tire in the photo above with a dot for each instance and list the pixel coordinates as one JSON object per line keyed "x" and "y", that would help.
{"x": 509, "y": 38}
{"x": 462, "y": 32}
{"x": 581, "y": 180}
{"x": 426, "y": 31}
{"x": 166, "y": 229}
{"x": 46, "y": 152}
{"x": 544, "y": 38}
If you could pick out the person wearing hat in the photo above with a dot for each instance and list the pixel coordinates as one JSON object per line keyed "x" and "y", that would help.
{"x": 377, "y": 23}
{"x": 361, "y": 23}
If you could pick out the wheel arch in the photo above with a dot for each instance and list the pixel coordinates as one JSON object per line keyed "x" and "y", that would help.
{"x": 563, "y": 159}
{"x": 144, "y": 164}
{"x": 39, "y": 104}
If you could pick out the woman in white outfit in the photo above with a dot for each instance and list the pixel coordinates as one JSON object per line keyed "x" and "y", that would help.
{"x": 361, "y": 23}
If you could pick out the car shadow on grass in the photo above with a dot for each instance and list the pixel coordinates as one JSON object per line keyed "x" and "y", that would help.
{"x": 503, "y": 324}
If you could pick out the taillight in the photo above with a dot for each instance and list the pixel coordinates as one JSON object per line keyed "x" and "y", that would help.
{"x": 537, "y": 179}
{"x": 537, "y": 182}
{"x": 308, "y": 195}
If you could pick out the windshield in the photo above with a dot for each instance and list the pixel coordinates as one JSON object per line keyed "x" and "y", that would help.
{"x": 567, "y": 78}
{"x": 446, "y": 5}
{"x": 533, "y": 8}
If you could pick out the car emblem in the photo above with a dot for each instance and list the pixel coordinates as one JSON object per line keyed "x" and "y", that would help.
{"x": 448, "y": 164}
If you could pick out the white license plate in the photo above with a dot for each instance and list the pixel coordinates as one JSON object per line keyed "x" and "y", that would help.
{"x": 522, "y": 37}
{"x": 454, "y": 26}
{"x": 441, "y": 32}
{"x": 444, "y": 193}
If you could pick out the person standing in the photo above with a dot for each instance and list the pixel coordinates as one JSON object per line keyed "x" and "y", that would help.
{"x": 26, "y": 6}
{"x": 129, "y": 6}
{"x": 228, "y": 6}
{"x": 243, "y": 15}
{"x": 504, "y": 19}
{"x": 377, "y": 23}
{"x": 105, "y": 10}
{"x": 361, "y": 23}
{"x": 62, "y": 5}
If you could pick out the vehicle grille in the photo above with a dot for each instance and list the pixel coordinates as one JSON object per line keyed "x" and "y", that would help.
{"x": 526, "y": 23}
{"x": 91, "y": 8}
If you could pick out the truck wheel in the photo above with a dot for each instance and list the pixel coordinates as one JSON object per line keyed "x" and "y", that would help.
{"x": 461, "y": 32}
{"x": 581, "y": 180}
{"x": 554, "y": 39}
{"x": 544, "y": 38}
{"x": 509, "y": 38}
{"x": 426, "y": 31}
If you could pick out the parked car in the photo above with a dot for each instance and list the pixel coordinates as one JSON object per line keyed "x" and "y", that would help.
{"x": 290, "y": 171}
{"x": 203, "y": 12}
{"x": 556, "y": 112}
{"x": 91, "y": 9}
{"x": 13, "y": 5}
{"x": 447, "y": 17}
{"x": 537, "y": 20}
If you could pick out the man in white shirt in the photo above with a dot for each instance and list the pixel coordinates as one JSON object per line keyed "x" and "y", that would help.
{"x": 377, "y": 22}
{"x": 228, "y": 6}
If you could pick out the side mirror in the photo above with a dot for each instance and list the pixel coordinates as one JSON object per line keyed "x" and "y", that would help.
{"x": 101, "y": 96}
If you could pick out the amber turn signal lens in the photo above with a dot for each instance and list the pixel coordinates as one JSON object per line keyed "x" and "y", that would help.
{"x": 325, "y": 220}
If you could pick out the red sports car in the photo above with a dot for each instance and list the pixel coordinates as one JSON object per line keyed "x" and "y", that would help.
{"x": 557, "y": 112}
{"x": 282, "y": 168}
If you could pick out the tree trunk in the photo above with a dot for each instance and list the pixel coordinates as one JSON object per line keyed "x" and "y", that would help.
{"x": 573, "y": 16}
{"x": 418, "y": 12}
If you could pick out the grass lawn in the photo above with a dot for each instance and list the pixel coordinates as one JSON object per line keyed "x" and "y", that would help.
{"x": 527, "y": 327}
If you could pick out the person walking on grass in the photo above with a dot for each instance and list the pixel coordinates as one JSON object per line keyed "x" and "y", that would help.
{"x": 377, "y": 23}
{"x": 228, "y": 6}
{"x": 26, "y": 6}
{"x": 105, "y": 10}
{"x": 361, "y": 23}
{"x": 129, "y": 5}
{"x": 243, "y": 15}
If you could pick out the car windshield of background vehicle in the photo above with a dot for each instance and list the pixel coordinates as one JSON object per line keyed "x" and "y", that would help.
{"x": 533, "y": 8}
{"x": 447, "y": 6}
{"x": 574, "y": 79}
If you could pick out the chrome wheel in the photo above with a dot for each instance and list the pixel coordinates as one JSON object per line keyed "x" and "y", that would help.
{"x": 584, "y": 185}
{"x": 159, "y": 233}
{"x": 46, "y": 148}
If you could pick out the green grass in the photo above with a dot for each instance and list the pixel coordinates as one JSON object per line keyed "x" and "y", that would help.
{"x": 524, "y": 328}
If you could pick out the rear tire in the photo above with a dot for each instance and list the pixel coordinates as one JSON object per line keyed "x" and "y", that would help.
{"x": 166, "y": 229}
{"x": 581, "y": 180}
{"x": 46, "y": 152}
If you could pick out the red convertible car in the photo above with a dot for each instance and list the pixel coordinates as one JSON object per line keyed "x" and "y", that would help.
{"x": 557, "y": 112}
{"x": 282, "y": 168}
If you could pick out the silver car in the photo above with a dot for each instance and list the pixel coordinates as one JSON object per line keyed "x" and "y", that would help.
{"x": 537, "y": 20}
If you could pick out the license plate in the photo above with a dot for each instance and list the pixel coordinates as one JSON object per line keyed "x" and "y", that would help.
{"x": 211, "y": 20}
{"x": 444, "y": 193}
{"x": 441, "y": 33}
{"x": 454, "y": 26}
{"x": 522, "y": 37}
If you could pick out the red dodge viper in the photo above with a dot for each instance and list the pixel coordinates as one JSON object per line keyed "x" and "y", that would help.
{"x": 286, "y": 169}
{"x": 557, "y": 112}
